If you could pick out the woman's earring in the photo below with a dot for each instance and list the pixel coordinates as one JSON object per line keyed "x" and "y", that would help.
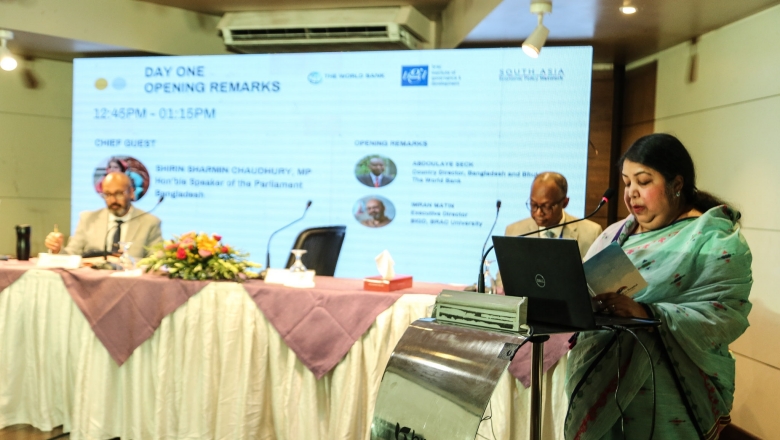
{"x": 677, "y": 194}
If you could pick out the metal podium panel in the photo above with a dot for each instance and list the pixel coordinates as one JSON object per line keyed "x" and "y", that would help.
{"x": 439, "y": 380}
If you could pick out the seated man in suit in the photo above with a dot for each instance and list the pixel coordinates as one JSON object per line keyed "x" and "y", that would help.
{"x": 547, "y": 201}
{"x": 376, "y": 177}
{"x": 92, "y": 232}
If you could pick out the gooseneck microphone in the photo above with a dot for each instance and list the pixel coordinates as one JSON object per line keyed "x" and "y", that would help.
{"x": 481, "y": 279}
{"x": 608, "y": 194}
{"x": 268, "y": 248}
{"x": 105, "y": 239}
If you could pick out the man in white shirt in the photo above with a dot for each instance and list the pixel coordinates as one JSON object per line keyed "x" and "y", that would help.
{"x": 105, "y": 228}
{"x": 546, "y": 204}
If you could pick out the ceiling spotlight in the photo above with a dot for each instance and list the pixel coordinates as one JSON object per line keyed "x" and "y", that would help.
{"x": 627, "y": 9}
{"x": 534, "y": 43}
{"x": 7, "y": 60}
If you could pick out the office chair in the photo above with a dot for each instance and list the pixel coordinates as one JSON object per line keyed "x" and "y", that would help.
{"x": 323, "y": 246}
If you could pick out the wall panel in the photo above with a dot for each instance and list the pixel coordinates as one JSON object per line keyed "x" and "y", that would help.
{"x": 729, "y": 118}
{"x": 35, "y": 152}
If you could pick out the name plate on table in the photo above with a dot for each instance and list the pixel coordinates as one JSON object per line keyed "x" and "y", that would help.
{"x": 128, "y": 273}
{"x": 56, "y": 260}
{"x": 290, "y": 279}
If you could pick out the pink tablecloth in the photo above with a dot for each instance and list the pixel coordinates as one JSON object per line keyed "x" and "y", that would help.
{"x": 320, "y": 324}
{"x": 125, "y": 312}
{"x": 12, "y": 270}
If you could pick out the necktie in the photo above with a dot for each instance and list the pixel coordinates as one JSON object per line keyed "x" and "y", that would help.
{"x": 376, "y": 181}
{"x": 549, "y": 234}
{"x": 117, "y": 237}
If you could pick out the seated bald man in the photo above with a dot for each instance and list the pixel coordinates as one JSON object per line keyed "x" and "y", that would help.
{"x": 546, "y": 203}
{"x": 376, "y": 211}
{"x": 92, "y": 232}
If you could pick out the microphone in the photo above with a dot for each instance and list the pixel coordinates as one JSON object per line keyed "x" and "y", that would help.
{"x": 481, "y": 279}
{"x": 268, "y": 248}
{"x": 608, "y": 194}
{"x": 105, "y": 239}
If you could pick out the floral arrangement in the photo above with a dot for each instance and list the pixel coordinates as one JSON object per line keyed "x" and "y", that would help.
{"x": 199, "y": 257}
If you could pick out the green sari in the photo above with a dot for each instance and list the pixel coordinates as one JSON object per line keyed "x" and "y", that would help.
{"x": 699, "y": 278}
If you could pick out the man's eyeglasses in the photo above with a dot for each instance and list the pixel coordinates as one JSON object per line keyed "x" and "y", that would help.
{"x": 546, "y": 209}
{"x": 117, "y": 195}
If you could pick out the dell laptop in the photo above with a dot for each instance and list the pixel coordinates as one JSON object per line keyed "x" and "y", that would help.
{"x": 549, "y": 273}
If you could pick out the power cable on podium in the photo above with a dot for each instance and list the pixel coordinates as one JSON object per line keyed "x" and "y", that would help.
{"x": 490, "y": 402}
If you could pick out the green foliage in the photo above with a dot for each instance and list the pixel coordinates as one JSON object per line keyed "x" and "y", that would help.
{"x": 199, "y": 257}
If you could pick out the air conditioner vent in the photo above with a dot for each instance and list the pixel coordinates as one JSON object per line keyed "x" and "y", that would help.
{"x": 381, "y": 28}
{"x": 310, "y": 33}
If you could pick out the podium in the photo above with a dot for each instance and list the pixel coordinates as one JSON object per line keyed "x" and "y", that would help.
{"x": 439, "y": 380}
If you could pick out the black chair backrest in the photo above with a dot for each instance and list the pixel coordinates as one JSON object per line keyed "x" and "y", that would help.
{"x": 323, "y": 246}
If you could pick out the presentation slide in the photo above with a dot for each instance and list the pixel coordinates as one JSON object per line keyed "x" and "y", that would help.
{"x": 238, "y": 144}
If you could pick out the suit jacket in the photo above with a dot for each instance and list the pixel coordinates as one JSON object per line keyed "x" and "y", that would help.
{"x": 91, "y": 233}
{"x": 585, "y": 232}
{"x": 367, "y": 179}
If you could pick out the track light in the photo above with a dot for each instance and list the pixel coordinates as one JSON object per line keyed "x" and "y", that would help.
{"x": 7, "y": 60}
{"x": 534, "y": 43}
{"x": 627, "y": 9}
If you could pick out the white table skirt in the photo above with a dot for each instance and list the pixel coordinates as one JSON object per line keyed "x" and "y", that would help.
{"x": 215, "y": 369}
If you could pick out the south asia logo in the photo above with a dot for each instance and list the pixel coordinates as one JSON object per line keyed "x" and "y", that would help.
{"x": 414, "y": 76}
{"x": 315, "y": 78}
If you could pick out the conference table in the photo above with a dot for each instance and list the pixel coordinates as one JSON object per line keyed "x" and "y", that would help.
{"x": 152, "y": 358}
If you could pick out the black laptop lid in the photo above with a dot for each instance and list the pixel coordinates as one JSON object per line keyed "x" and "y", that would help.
{"x": 549, "y": 273}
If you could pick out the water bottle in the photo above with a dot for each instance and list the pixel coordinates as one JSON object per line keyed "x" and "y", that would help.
{"x": 23, "y": 242}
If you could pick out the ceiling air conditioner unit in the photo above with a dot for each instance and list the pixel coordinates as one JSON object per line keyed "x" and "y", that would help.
{"x": 326, "y": 30}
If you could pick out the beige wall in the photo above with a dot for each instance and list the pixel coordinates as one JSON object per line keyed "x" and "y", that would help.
{"x": 35, "y": 133}
{"x": 115, "y": 26}
{"x": 729, "y": 118}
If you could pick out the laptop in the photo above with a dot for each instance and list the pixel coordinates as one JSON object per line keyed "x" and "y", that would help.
{"x": 549, "y": 273}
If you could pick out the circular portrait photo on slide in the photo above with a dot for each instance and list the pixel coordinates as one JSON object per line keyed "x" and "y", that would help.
{"x": 131, "y": 166}
{"x": 375, "y": 171}
{"x": 374, "y": 211}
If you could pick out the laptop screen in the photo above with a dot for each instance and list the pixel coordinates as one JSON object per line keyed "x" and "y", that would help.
{"x": 549, "y": 273}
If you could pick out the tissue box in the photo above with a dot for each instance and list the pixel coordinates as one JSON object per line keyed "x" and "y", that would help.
{"x": 377, "y": 284}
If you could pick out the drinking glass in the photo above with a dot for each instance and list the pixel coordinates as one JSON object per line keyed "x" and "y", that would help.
{"x": 126, "y": 260}
{"x": 298, "y": 266}
{"x": 490, "y": 282}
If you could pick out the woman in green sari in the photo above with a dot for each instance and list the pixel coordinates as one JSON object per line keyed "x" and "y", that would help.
{"x": 688, "y": 246}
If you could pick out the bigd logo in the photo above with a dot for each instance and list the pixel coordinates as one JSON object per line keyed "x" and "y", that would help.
{"x": 414, "y": 76}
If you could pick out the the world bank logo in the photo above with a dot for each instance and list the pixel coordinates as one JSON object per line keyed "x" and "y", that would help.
{"x": 315, "y": 78}
{"x": 414, "y": 76}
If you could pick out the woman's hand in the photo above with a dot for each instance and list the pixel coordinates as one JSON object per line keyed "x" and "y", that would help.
{"x": 619, "y": 305}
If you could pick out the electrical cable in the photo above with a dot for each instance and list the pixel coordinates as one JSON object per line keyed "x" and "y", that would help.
{"x": 588, "y": 372}
{"x": 490, "y": 417}
{"x": 652, "y": 376}
{"x": 617, "y": 389}
{"x": 490, "y": 402}
{"x": 616, "y": 329}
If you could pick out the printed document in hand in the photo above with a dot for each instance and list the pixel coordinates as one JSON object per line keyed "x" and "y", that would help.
{"x": 611, "y": 271}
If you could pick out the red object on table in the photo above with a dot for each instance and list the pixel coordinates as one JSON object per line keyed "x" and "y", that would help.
{"x": 377, "y": 284}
